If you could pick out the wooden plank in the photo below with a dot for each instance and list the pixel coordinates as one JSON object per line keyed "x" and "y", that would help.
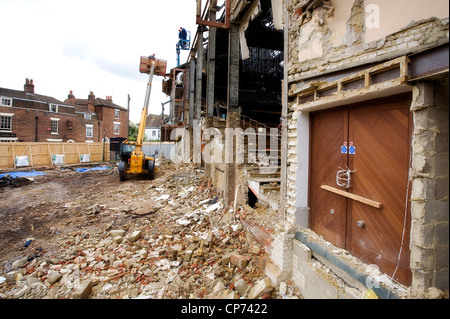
{"x": 352, "y": 196}
{"x": 14, "y": 156}
{"x": 401, "y": 63}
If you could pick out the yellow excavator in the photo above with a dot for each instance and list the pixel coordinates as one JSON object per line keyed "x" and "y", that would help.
{"x": 132, "y": 158}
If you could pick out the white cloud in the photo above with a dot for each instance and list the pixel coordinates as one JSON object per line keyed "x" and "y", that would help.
{"x": 91, "y": 46}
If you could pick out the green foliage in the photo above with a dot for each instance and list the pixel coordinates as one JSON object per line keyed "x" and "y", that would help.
{"x": 132, "y": 132}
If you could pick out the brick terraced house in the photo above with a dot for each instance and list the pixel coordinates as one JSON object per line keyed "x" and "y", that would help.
{"x": 111, "y": 119}
{"x": 29, "y": 117}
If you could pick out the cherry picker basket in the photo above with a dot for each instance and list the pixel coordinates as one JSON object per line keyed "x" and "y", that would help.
{"x": 145, "y": 66}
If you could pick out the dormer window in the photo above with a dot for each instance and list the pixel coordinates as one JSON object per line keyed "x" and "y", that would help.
{"x": 5, "y": 101}
{"x": 53, "y": 108}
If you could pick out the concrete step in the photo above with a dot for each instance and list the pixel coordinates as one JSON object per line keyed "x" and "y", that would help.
{"x": 266, "y": 189}
{"x": 265, "y": 179}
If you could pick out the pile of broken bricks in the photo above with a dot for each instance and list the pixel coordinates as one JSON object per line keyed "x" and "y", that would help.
{"x": 182, "y": 244}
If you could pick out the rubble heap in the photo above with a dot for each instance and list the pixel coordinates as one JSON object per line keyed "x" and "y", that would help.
{"x": 167, "y": 238}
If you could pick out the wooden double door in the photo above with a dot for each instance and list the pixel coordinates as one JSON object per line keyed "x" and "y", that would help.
{"x": 365, "y": 207}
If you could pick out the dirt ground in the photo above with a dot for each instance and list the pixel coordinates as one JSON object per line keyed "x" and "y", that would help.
{"x": 54, "y": 205}
{"x": 58, "y": 218}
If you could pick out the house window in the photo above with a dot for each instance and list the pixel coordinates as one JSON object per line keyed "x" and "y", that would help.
{"x": 89, "y": 130}
{"x": 54, "y": 126}
{"x": 117, "y": 114}
{"x": 6, "y": 122}
{"x": 5, "y": 101}
{"x": 87, "y": 116}
{"x": 153, "y": 133}
{"x": 116, "y": 128}
{"x": 53, "y": 108}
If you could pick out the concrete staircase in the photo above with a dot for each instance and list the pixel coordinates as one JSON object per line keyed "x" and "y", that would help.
{"x": 262, "y": 166}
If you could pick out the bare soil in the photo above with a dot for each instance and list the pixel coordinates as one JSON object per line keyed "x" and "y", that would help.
{"x": 59, "y": 203}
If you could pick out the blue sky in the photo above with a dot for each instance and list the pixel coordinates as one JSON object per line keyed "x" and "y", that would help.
{"x": 91, "y": 45}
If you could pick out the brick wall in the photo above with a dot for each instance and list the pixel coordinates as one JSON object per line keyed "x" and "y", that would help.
{"x": 107, "y": 116}
{"x": 80, "y": 129}
{"x": 24, "y": 123}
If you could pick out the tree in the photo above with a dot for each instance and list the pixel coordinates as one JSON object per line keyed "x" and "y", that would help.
{"x": 132, "y": 132}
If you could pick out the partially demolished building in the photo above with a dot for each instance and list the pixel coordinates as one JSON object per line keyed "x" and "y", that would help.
{"x": 344, "y": 109}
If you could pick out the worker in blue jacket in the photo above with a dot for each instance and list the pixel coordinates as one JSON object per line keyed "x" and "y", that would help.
{"x": 182, "y": 34}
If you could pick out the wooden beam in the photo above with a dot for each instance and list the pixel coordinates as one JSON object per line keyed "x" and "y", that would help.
{"x": 352, "y": 196}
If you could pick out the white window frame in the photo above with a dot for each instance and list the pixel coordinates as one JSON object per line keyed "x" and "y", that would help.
{"x": 50, "y": 107}
{"x": 10, "y": 115}
{"x": 5, "y": 98}
{"x": 87, "y": 116}
{"x": 117, "y": 114}
{"x": 52, "y": 120}
{"x": 116, "y": 124}
{"x": 90, "y": 128}
{"x": 8, "y": 139}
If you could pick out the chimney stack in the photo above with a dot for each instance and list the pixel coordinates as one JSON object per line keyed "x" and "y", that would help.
{"x": 28, "y": 86}
{"x": 91, "y": 101}
{"x": 109, "y": 98}
{"x": 71, "y": 97}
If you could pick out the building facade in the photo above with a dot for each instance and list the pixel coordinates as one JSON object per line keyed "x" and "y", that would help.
{"x": 30, "y": 117}
{"x": 368, "y": 134}
{"x": 153, "y": 128}
{"x": 107, "y": 119}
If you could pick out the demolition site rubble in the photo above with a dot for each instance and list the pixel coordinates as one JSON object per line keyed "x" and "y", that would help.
{"x": 72, "y": 235}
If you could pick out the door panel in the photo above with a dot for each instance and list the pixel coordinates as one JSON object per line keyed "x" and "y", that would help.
{"x": 380, "y": 164}
{"x": 380, "y": 134}
{"x": 329, "y": 130}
